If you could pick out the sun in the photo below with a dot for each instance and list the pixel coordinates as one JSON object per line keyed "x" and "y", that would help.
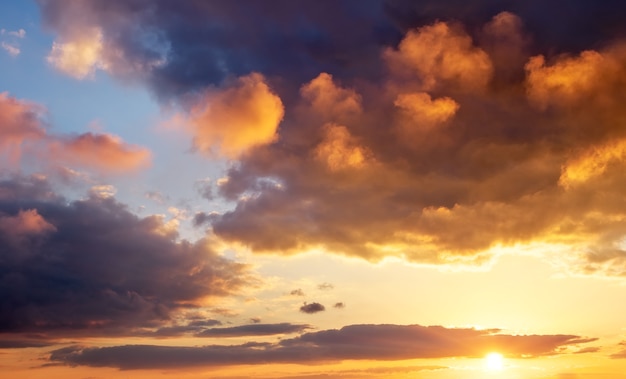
{"x": 494, "y": 362}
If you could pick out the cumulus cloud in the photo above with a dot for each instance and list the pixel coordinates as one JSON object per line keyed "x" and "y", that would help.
{"x": 311, "y": 308}
{"x": 237, "y": 118}
{"x": 75, "y": 269}
{"x": 356, "y": 342}
{"x": 440, "y": 55}
{"x": 80, "y": 56}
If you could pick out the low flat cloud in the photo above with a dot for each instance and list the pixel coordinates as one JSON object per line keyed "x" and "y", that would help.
{"x": 355, "y": 342}
{"x": 255, "y": 329}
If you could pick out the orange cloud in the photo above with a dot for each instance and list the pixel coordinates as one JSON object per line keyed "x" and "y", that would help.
{"x": 569, "y": 80}
{"x": 441, "y": 55}
{"x": 19, "y": 123}
{"x": 424, "y": 112}
{"x": 339, "y": 150}
{"x": 593, "y": 163}
{"x": 104, "y": 152}
{"x": 25, "y": 223}
{"x": 237, "y": 118}
{"x": 328, "y": 99}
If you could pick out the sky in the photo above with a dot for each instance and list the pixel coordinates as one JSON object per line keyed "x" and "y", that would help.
{"x": 300, "y": 189}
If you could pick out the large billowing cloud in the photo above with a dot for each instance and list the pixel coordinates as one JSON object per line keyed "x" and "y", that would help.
{"x": 381, "y": 342}
{"x": 92, "y": 266}
{"x": 449, "y": 130}
{"x": 439, "y": 163}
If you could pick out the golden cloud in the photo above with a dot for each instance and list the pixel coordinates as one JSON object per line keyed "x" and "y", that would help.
{"x": 441, "y": 55}
{"x": 235, "y": 119}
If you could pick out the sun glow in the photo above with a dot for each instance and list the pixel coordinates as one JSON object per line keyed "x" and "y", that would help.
{"x": 494, "y": 362}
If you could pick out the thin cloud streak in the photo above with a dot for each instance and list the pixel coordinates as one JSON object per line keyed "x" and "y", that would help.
{"x": 357, "y": 342}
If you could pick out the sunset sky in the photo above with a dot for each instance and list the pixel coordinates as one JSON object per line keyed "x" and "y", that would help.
{"x": 313, "y": 189}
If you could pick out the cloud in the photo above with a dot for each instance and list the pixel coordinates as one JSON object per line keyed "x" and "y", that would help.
{"x": 440, "y": 55}
{"x": 75, "y": 269}
{"x": 297, "y": 40}
{"x": 237, "y": 118}
{"x": 441, "y": 134}
{"x": 202, "y": 218}
{"x": 311, "y": 308}
{"x": 12, "y": 47}
{"x": 356, "y": 342}
{"x": 79, "y": 56}
{"x": 325, "y": 286}
{"x": 20, "y": 122}
{"x": 570, "y": 81}
{"x": 297, "y": 292}
{"x": 104, "y": 152}
{"x": 339, "y": 305}
{"x": 254, "y": 330}
{"x": 12, "y": 50}
{"x": 23, "y": 343}
{"x": 24, "y": 136}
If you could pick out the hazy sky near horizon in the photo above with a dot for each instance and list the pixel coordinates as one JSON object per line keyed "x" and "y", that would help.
{"x": 312, "y": 189}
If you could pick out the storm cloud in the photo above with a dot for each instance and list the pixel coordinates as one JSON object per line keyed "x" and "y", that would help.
{"x": 92, "y": 266}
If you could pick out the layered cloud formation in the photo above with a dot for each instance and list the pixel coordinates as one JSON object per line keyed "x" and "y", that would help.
{"x": 356, "y": 342}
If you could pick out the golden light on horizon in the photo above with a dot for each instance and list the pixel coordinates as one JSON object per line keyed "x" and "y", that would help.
{"x": 494, "y": 362}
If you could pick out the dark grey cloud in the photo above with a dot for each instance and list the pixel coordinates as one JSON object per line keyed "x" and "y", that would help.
{"x": 297, "y": 292}
{"x": 180, "y": 48}
{"x": 339, "y": 305}
{"x": 23, "y": 343}
{"x": 312, "y": 308}
{"x": 380, "y": 342}
{"x": 92, "y": 265}
{"x": 202, "y": 218}
{"x": 254, "y": 330}
{"x": 203, "y": 42}
{"x": 177, "y": 330}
